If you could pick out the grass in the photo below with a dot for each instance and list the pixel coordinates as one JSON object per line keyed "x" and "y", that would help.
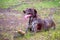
{"x": 38, "y": 5}
{"x": 8, "y": 3}
{"x": 44, "y": 4}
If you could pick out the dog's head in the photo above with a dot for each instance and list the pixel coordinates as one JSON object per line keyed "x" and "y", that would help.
{"x": 30, "y": 12}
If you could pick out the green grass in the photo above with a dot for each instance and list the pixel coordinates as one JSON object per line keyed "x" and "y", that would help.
{"x": 44, "y": 4}
{"x": 51, "y": 35}
{"x": 8, "y": 3}
{"x": 38, "y": 5}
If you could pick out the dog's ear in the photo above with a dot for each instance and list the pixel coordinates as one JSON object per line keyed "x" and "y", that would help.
{"x": 35, "y": 11}
{"x": 24, "y": 11}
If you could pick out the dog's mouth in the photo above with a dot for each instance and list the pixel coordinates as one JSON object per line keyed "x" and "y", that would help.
{"x": 27, "y": 16}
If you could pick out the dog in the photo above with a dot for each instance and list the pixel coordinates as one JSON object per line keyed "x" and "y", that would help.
{"x": 36, "y": 24}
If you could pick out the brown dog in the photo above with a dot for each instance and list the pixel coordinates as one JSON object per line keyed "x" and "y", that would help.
{"x": 35, "y": 23}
